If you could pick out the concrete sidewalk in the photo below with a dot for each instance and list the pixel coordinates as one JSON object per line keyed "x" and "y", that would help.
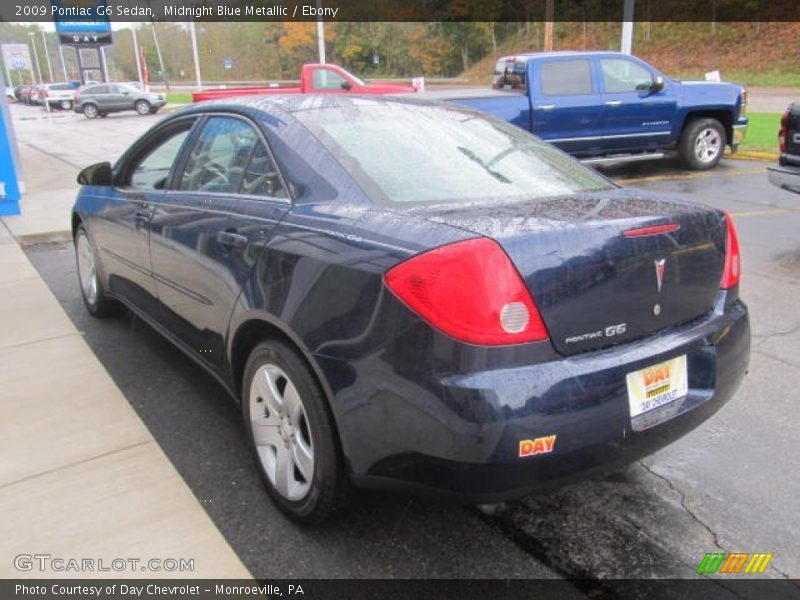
{"x": 81, "y": 476}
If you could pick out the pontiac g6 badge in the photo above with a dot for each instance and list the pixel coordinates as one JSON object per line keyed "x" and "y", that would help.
{"x": 660, "y": 272}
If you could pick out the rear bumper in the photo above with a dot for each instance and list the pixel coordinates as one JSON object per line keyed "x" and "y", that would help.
{"x": 785, "y": 177}
{"x": 465, "y": 442}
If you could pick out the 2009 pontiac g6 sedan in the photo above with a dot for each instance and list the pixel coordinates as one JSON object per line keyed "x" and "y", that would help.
{"x": 415, "y": 296}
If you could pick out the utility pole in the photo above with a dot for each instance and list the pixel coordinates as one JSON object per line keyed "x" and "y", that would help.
{"x": 627, "y": 27}
{"x": 36, "y": 56}
{"x": 63, "y": 64}
{"x": 160, "y": 59}
{"x": 103, "y": 64}
{"x": 136, "y": 53}
{"x": 194, "y": 54}
{"x": 47, "y": 56}
{"x": 549, "y": 16}
{"x": 320, "y": 34}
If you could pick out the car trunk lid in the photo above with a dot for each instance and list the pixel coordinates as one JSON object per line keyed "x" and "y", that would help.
{"x": 594, "y": 285}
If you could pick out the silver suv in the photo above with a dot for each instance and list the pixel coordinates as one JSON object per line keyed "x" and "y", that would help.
{"x": 103, "y": 98}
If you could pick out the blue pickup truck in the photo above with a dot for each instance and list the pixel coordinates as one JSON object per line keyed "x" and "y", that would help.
{"x": 608, "y": 107}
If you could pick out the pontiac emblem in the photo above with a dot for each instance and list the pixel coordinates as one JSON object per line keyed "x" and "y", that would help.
{"x": 660, "y": 272}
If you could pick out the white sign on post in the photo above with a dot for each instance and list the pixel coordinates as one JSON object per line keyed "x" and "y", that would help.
{"x": 16, "y": 57}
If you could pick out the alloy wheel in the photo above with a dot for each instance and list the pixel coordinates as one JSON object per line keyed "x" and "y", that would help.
{"x": 708, "y": 145}
{"x": 281, "y": 432}
{"x": 87, "y": 273}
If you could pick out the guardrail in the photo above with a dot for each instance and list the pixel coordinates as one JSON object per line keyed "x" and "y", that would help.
{"x": 190, "y": 86}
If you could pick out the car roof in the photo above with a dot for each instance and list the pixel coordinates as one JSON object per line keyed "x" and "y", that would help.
{"x": 566, "y": 53}
{"x": 294, "y": 103}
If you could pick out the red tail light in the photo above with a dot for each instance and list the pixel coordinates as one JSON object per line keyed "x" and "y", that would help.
{"x": 471, "y": 291}
{"x": 782, "y": 130}
{"x": 733, "y": 259}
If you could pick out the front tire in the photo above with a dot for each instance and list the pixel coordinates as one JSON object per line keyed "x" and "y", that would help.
{"x": 292, "y": 435}
{"x": 94, "y": 297}
{"x": 90, "y": 111}
{"x": 702, "y": 144}
{"x": 142, "y": 107}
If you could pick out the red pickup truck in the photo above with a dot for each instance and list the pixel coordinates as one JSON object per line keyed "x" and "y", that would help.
{"x": 314, "y": 79}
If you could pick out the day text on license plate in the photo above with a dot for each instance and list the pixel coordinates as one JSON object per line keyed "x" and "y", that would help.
{"x": 657, "y": 385}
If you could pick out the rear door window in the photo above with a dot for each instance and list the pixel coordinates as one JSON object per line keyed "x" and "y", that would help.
{"x": 566, "y": 77}
{"x": 261, "y": 176}
{"x": 219, "y": 156}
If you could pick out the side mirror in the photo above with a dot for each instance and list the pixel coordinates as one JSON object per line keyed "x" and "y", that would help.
{"x": 346, "y": 85}
{"x": 97, "y": 174}
{"x": 658, "y": 84}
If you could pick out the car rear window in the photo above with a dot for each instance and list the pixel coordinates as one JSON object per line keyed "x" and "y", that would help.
{"x": 407, "y": 153}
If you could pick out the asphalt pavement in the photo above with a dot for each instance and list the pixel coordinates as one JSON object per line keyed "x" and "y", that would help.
{"x": 731, "y": 485}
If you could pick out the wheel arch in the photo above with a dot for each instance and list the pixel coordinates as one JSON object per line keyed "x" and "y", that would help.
{"x": 76, "y": 221}
{"x": 723, "y": 116}
{"x": 254, "y": 329}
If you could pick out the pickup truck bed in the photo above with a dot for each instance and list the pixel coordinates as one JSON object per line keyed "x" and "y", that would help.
{"x": 786, "y": 174}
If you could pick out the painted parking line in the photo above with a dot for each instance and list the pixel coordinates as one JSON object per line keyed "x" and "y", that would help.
{"x": 762, "y": 213}
{"x": 680, "y": 176}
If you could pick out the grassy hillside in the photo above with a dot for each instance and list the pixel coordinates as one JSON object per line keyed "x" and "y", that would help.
{"x": 750, "y": 53}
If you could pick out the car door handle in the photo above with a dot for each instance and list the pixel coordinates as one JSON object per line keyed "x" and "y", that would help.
{"x": 613, "y": 102}
{"x": 546, "y": 107}
{"x": 230, "y": 239}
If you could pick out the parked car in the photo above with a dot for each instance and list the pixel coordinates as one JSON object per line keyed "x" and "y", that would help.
{"x": 60, "y": 95}
{"x": 104, "y": 98}
{"x": 606, "y": 106}
{"x": 314, "y": 79}
{"x": 10, "y": 95}
{"x": 407, "y": 295}
{"x": 25, "y": 93}
{"x": 37, "y": 94}
{"x": 786, "y": 174}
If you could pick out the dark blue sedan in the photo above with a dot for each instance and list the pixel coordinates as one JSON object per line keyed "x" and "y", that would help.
{"x": 415, "y": 296}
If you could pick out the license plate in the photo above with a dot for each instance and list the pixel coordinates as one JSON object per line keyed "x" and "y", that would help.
{"x": 657, "y": 385}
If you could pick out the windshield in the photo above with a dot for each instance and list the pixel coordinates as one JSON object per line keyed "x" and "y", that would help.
{"x": 409, "y": 153}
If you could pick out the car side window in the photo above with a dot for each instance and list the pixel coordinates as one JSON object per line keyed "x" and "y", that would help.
{"x": 566, "y": 77}
{"x": 97, "y": 91}
{"x": 325, "y": 79}
{"x": 218, "y": 158}
{"x": 261, "y": 175}
{"x": 620, "y": 75}
{"x": 150, "y": 171}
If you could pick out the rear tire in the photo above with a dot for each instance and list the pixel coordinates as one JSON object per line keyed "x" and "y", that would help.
{"x": 94, "y": 297}
{"x": 90, "y": 111}
{"x": 292, "y": 435}
{"x": 65, "y": 104}
{"x": 702, "y": 144}
{"x": 142, "y": 107}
